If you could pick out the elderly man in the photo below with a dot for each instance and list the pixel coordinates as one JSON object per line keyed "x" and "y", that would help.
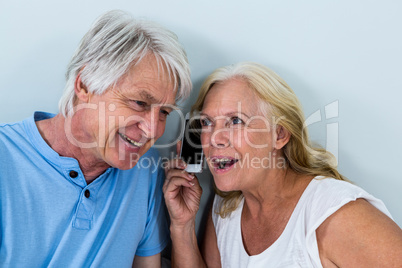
{"x": 73, "y": 191}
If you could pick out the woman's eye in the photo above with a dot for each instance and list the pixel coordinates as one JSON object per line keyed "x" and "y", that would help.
{"x": 236, "y": 121}
{"x": 205, "y": 122}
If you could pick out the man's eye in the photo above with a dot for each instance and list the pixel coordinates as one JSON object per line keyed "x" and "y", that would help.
{"x": 205, "y": 122}
{"x": 139, "y": 105}
{"x": 164, "y": 114}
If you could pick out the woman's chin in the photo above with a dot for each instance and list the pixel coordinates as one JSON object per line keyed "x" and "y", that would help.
{"x": 225, "y": 186}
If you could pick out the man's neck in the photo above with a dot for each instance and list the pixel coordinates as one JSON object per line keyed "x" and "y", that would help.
{"x": 54, "y": 133}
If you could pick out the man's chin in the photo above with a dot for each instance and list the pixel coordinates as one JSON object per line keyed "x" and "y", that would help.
{"x": 125, "y": 162}
{"x": 125, "y": 165}
{"x": 131, "y": 162}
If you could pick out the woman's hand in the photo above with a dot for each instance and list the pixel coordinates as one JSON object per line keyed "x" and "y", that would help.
{"x": 182, "y": 193}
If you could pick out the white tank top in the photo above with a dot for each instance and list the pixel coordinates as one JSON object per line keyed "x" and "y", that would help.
{"x": 297, "y": 245}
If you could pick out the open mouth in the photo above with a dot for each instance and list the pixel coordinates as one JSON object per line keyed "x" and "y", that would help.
{"x": 223, "y": 163}
{"x": 130, "y": 141}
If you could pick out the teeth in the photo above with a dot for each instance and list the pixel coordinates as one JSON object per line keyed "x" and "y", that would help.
{"x": 138, "y": 144}
{"x": 220, "y": 160}
{"x": 223, "y": 162}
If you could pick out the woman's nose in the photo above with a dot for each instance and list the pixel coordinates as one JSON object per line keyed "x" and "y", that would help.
{"x": 220, "y": 137}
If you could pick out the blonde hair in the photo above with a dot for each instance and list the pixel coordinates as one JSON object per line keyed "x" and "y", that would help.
{"x": 279, "y": 100}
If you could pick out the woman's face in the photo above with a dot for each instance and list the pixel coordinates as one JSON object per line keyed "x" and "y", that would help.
{"x": 237, "y": 138}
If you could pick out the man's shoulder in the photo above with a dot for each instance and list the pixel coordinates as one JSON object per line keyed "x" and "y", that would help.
{"x": 6, "y": 128}
{"x": 15, "y": 129}
{"x": 10, "y": 132}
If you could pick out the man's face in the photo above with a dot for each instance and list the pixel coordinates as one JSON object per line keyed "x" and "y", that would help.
{"x": 131, "y": 116}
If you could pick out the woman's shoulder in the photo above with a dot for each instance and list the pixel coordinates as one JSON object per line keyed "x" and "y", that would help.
{"x": 324, "y": 196}
{"x": 330, "y": 190}
{"x": 360, "y": 231}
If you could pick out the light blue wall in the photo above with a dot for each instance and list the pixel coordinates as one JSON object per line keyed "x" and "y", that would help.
{"x": 341, "y": 55}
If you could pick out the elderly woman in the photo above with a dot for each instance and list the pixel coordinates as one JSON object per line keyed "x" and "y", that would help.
{"x": 279, "y": 201}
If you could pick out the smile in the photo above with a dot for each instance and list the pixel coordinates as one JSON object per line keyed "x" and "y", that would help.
{"x": 130, "y": 141}
{"x": 223, "y": 163}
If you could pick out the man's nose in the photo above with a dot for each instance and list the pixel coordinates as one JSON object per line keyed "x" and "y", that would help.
{"x": 149, "y": 123}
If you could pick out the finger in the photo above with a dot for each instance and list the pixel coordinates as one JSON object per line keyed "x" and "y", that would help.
{"x": 175, "y": 163}
{"x": 195, "y": 180}
{"x": 176, "y": 173}
{"x": 174, "y": 184}
{"x": 178, "y": 147}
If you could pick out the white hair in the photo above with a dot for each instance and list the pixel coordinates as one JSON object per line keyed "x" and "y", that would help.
{"x": 115, "y": 43}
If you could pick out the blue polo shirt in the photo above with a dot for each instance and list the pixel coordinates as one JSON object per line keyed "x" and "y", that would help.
{"x": 50, "y": 217}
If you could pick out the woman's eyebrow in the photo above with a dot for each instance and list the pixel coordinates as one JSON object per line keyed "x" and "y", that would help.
{"x": 227, "y": 114}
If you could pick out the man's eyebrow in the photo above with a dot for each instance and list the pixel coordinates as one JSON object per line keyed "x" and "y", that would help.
{"x": 144, "y": 94}
{"x": 148, "y": 96}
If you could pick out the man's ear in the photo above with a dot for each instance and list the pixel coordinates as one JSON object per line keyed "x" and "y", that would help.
{"x": 80, "y": 89}
{"x": 282, "y": 137}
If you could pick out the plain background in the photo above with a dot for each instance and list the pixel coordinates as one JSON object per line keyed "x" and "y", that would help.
{"x": 342, "y": 58}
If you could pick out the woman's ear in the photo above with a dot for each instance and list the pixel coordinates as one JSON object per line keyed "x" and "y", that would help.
{"x": 80, "y": 89}
{"x": 282, "y": 137}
